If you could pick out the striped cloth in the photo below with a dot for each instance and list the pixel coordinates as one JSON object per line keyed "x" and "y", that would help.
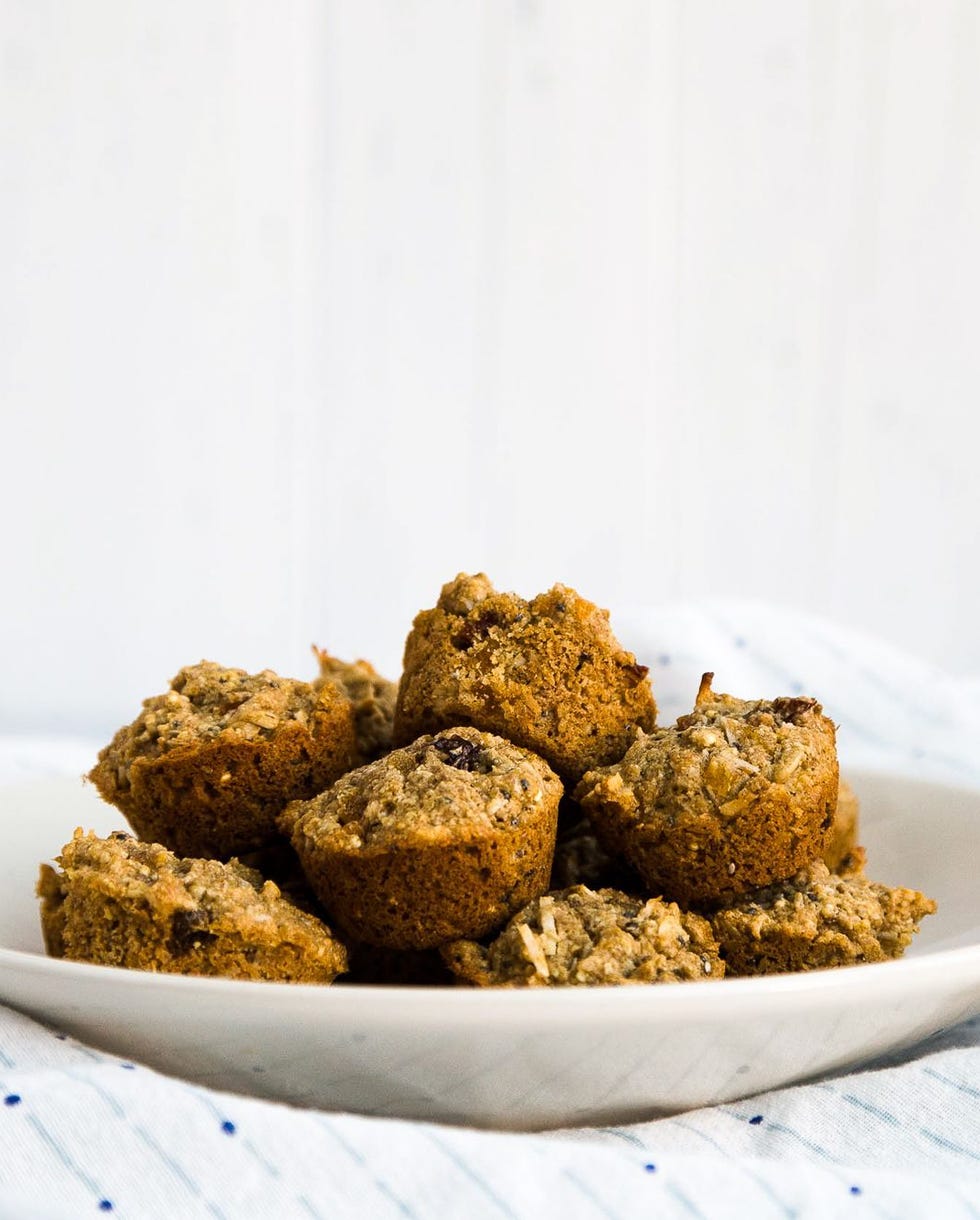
{"x": 84, "y": 1133}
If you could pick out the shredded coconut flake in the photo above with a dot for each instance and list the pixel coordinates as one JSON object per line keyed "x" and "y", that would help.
{"x": 534, "y": 951}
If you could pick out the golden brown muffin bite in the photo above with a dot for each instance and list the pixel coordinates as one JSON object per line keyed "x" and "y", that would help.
{"x": 205, "y": 768}
{"x": 738, "y": 794}
{"x": 582, "y": 937}
{"x": 816, "y": 920}
{"x": 120, "y": 902}
{"x": 547, "y": 674}
{"x": 372, "y": 696}
{"x": 444, "y": 838}
{"x": 842, "y": 839}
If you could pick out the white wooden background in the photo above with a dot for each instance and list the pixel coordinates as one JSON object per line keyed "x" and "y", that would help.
{"x": 305, "y": 306}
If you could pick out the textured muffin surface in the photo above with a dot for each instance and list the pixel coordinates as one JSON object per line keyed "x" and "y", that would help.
{"x": 121, "y": 902}
{"x": 842, "y": 839}
{"x": 453, "y": 832}
{"x": 372, "y": 698}
{"x": 584, "y": 937}
{"x": 205, "y": 768}
{"x": 817, "y": 920}
{"x": 736, "y": 795}
{"x": 547, "y": 674}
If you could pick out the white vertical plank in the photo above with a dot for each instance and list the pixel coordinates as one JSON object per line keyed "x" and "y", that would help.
{"x": 574, "y": 407}
{"x": 401, "y": 476}
{"x": 154, "y": 255}
{"x": 909, "y": 508}
{"x": 747, "y": 438}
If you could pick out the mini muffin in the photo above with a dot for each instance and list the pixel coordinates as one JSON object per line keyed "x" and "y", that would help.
{"x": 372, "y": 696}
{"x": 737, "y": 795}
{"x": 580, "y": 937}
{"x": 547, "y": 674}
{"x": 816, "y": 920}
{"x": 443, "y": 839}
{"x": 843, "y": 836}
{"x": 120, "y": 902}
{"x": 205, "y": 768}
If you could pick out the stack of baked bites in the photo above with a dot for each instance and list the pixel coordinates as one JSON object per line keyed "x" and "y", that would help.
{"x": 509, "y": 815}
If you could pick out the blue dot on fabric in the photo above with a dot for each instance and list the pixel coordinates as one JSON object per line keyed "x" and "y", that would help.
{"x": 105, "y": 1205}
{"x": 62, "y": 1037}
{"x": 855, "y": 1190}
{"x": 663, "y": 659}
{"x": 12, "y": 1099}
{"x": 228, "y": 1127}
{"x": 755, "y": 1120}
{"x": 128, "y": 1067}
{"x": 739, "y": 642}
{"x": 650, "y": 1167}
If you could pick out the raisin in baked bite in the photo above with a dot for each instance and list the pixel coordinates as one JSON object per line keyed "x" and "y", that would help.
{"x": 817, "y": 920}
{"x": 738, "y": 794}
{"x": 120, "y": 902}
{"x": 205, "y": 768}
{"x": 372, "y": 697}
{"x": 547, "y": 674}
{"x": 444, "y": 838}
{"x": 587, "y": 937}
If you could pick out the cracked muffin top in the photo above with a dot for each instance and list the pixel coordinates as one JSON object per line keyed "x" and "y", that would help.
{"x": 587, "y": 937}
{"x": 457, "y": 781}
{"x": 372, "y": 696}
{"x": 205, "y": 767}
{"x": 207, "y": 701}
{"x": 120, "y": 901}
{"x": 737, "y": 794}
{"x": 546, "y": 673}
{"x": 727, "y": 746}
{"x": 816, "y": 920}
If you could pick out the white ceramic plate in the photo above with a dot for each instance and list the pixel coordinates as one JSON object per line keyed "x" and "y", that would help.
{"x": 518, "y": 1059}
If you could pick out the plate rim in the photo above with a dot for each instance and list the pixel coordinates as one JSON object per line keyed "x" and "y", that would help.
{"x": 956, "y": 968}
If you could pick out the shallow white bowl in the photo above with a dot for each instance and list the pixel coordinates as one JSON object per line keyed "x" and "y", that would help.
{"x": 516, "y": 1059}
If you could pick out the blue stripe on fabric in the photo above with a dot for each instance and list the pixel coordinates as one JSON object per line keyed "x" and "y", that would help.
{"x": 174, "y": 1166}
{"x": 304, "y": 1202}
{"x": 587, "y": 1192}
{"x": 759, "y": 1181}
{"x": 683, "y": 1200}
{"x": 107, "y": 1097}
{"x": 474, "y": 1177}
{"x": 48, "y": 1139}
{"x": 347, "y": 1147}
{"x": 804, "y": 1141}
{"x": 954, "y": 1084}
{"x": 203, "y": 1100}
{"x": 267, "y": 1165}
{"x": 379, "y": 1184}
{"x": 783, "y": 1130}
{"x": 6, "y": 1060}
{"x": 627, "y": 1136}
{"x": 945, "y": 1143}
{"x": 883, "y": 1115}
{"x": 389, "y": 1194}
